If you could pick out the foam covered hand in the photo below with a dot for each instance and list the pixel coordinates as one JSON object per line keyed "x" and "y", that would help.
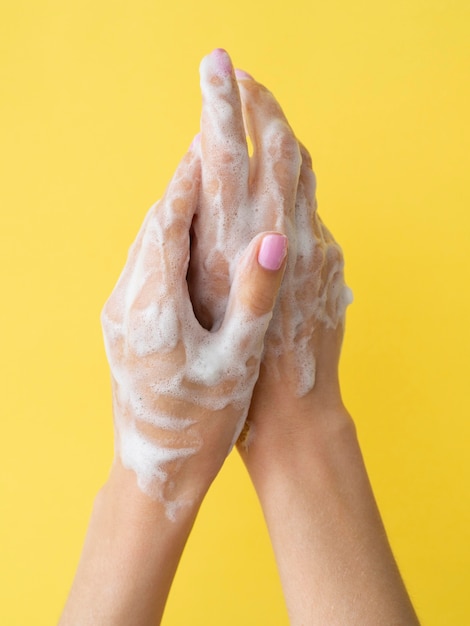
{"x": 180, "y": 392}
{"x": 273, "y": 189}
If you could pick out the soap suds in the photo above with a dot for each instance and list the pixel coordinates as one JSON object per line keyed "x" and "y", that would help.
{"x": 172, "y": 379}
{"x": 173, "y": 376}
{"x": 273, "y": 190}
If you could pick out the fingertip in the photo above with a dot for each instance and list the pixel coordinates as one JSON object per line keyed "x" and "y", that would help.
{"x": 217, "y": 62}
{"x": 260, "y": 273}
{"x": 272, "y": 251}
{"x": 195, "y": 143}
{"x": 242, "y": 75}
{"x": 223, "y": 61}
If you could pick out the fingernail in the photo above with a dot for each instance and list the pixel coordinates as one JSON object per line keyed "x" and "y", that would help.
{"x": 223, "y": 61}
{"x": 195, "y": 142}
{"x": 272, "y": 252}
{"x": 241, "y": 74}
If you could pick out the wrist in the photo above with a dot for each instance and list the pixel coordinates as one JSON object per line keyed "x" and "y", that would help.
{"x": 130, "y": 556}
{"x": 133, "y": 506}
{"x": 286, "y": 432}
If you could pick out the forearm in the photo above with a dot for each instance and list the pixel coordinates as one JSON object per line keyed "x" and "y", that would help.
{"x": 129, "y": 559}
{"x": 333, "y": 555}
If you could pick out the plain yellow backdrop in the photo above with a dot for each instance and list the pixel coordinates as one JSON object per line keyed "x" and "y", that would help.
{"x": 98, "y": 102}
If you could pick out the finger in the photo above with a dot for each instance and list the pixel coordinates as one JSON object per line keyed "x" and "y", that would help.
{"x": 255, "y": 287}
{"x": 307, "y": 181}
{"x": 113, "y": 309}
{"x": 307, "y": 232}
{"x": 225, "y": 162}
{"x": 164, "y": 252}
{"x": 276, "y": 156}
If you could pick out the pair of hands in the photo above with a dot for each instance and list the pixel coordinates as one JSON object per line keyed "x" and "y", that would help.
{"x": 211, "y": 326}
{"x": 214, "y": 335}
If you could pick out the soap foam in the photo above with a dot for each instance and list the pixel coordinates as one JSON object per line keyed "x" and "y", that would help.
{"x": 171, "y": 377}
{"x": 278, "y": 195}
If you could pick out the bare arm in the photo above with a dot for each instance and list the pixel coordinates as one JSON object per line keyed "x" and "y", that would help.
{"x": 334, "y": 559}
{"x": 129, "y": 558}
{"x": 299, "y": 443}
{"x": 180, "y": 397}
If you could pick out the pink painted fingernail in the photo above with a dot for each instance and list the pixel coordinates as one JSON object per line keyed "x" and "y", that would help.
{"x": 273, "y": 251}
{"x": 223, "y": 61}
{"x": 241, "y": 74}
{"x": 195, "y": 142}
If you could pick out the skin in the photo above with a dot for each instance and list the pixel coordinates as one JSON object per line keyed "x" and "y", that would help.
{"x": 299, "y": 444}
{"x": 141, "y": 521}
{"x": 173, "y": 396}
{"x": 274, "y": 189}
{"x": 298, "y": 441}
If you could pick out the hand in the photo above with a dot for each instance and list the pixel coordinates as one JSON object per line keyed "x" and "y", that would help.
{"x": 184, "y": 370}
{"x": 272, "y": 189}
{"x": 181, "y": 393}
{"x": 239, "y": 196}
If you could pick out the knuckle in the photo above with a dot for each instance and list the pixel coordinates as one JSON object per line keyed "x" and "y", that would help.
{"x": 288, "y": 146}
{"x": 259, "y": 302}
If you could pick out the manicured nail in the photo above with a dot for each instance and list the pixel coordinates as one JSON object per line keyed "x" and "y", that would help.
{"x": 195, "y": 142}
{"x": 241, "y": 74}
{"x": 223, "y": 61}
{"x": 272, "y": 252}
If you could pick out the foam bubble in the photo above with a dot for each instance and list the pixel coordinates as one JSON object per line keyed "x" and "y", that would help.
{"x": 233, "y": 208}
{"x": 148, "y": 460}
{"x": 171, "y": 376}
{"x": 166, "y": 367}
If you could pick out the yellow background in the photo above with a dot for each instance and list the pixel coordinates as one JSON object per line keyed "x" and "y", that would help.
{"x": 98, "y": 101}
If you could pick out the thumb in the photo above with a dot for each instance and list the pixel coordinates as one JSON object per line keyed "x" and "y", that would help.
{"x": 258, "y": 277}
